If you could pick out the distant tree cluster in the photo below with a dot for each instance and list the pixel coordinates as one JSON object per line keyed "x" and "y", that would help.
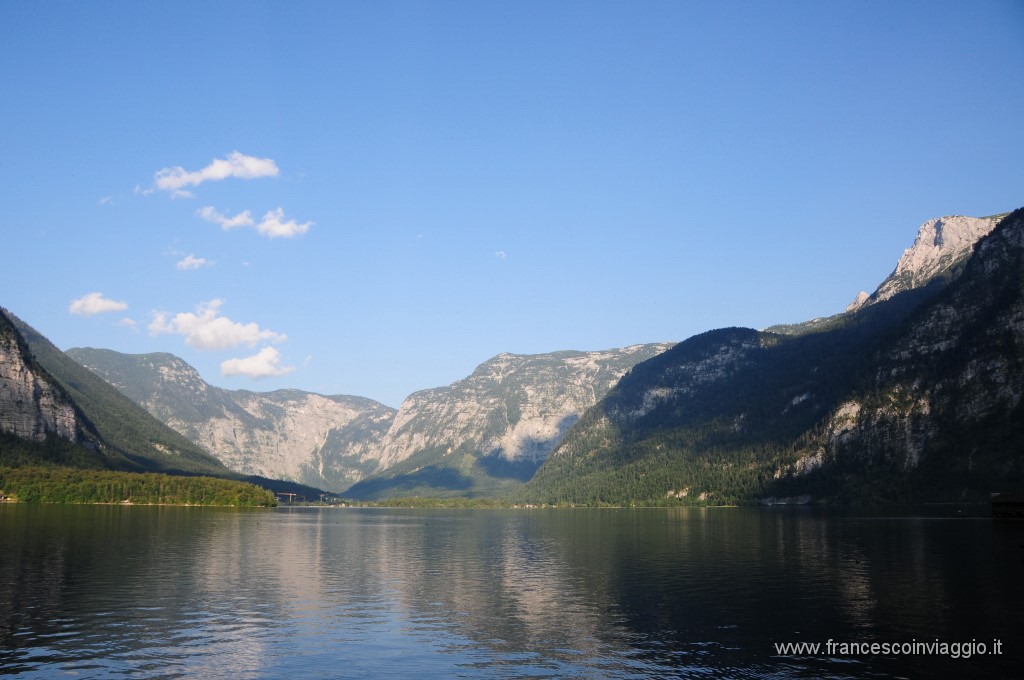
{"x": 29, "y": 484}
{"x": 455, "y": 503}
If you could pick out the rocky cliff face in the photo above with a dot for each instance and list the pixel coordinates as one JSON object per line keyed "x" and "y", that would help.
{"x": 32, "y": 405}
{"x": 491, "y": 430}
{"x": 516, "y": 407}
{"x": 512, "y": 410}
{"x": 941, "y": 245}
{"x": 945, "y": 397}
{"x": 328, "y": 442}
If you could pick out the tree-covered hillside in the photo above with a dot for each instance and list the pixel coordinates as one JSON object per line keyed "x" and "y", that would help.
{"x": 111, "y": 431}
{"x": 58, "y": 484}
{"x": 917, "y": 397}
{"x": 125, "y": 427}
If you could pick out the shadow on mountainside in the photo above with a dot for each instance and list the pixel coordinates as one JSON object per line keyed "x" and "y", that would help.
{"x": 425, "y": 481}
{"x": 502, "y": 468}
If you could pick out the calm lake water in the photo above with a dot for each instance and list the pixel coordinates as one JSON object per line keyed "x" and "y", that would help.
{"x": 100, "y": 591}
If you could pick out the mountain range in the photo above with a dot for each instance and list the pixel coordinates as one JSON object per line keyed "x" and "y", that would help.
{"x": 325, "y": 441}
{"x": 55, "y": 411}
{"x": 490, "y": 432}
{"x": 913, "y": 392}
{"x": 49, "y": 400}
{"x": 479, "y": 435}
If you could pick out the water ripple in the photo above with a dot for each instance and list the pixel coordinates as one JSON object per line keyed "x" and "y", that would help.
{"x": 175, "y": 592}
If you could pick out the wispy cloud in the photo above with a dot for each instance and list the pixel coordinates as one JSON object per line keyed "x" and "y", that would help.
{"x": 131, "y": 324}
{"x": 263, "y": 364}
{"x": 193, "y": 262}
{"x": 273, "y": 225}
{"x": 94, "y": 303}
{"x": 207, "y": 330}
{"x": 211, "y": 214}
{"x": 500, "y": 254}
{"x": 106, "y": 200}
{"x": 237, "y": 164}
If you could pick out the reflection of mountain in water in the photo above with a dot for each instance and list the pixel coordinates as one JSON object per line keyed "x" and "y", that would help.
{"x": 352, "y": 593}
{"x": 105, "y": 588}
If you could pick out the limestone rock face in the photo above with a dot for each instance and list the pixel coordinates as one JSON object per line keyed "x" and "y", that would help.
{"x": 325, "y": 441}
{"x": 516, "y": 407}
{"x": 294, "y": 435}
{"x": 32, "y": 406}
{"x": 941, "y": 244}
{"x": 858, "y": 301}
{"x": 958, "y": 368}
{"x": 513, "y": 408}
{"x": 940, "y": 249}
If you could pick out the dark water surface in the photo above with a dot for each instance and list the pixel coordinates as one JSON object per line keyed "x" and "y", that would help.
{"x": 101, "y": 591}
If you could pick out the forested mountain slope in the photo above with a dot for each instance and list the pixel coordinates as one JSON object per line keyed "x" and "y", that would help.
{"x": 913, "y": 397}
{"x": 488, "y": 433}
{"x": 128, "y": 437}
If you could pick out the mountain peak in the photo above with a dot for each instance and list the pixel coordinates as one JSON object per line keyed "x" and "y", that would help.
{"x": 917, "y": 398}
{"x": 941, "y": 244}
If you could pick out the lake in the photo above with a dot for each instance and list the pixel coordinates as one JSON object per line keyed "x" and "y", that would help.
{"x": 107, "y": 591}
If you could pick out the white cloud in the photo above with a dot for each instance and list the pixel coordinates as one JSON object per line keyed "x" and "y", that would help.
{"x": 193, "y": 262}
{"x": 129, "y": 323}
{"x": 206, "y": 330}
{"x": 139, "y": 191}
{"x": 263, "y": 364}
{"x": 95, "y": 303}
{"x": 235, "y": 165}
{"x": 106, "y": 200}
{"x": 500, "y": 254}
{"x": 211, "y": 214}
{"x": 274, "y": 226}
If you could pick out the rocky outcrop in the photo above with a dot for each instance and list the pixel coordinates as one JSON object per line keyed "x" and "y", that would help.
{"x": 917, "y": 395}
{"x": 512, "y": 409}
{"x": 515, "y": 407}
{"x": 32, "y": 405}
{"x": 941, "y": 245}
{"x": 954, "y": 377}
{"x": 325, "y": 441}
{"x": 328, "y": 442}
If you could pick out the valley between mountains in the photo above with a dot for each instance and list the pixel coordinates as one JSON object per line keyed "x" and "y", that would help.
{"x": 912, "y": 393}
{"x": 480, "y": 435}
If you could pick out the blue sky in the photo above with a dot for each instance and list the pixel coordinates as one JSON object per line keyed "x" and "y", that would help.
{"x": 372, "y": 198}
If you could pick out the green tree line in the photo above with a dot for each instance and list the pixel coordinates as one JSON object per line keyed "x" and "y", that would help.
{"x": 30, "y": 484}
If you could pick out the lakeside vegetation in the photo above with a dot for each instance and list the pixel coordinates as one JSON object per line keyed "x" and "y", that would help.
{"x": 51, "y": 484}
{"x": 505, "y": 503}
